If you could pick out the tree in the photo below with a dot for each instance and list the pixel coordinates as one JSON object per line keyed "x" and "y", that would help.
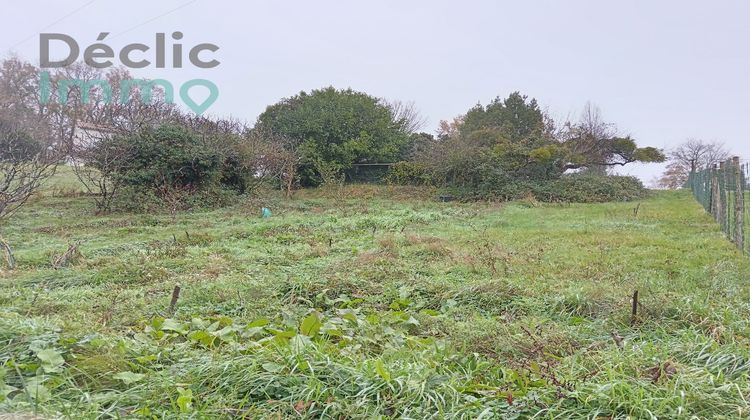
{"x": 596, "y": 145}
{"x": 104, "y": 108}
{"x": 250, "y": 157}
{"x": 263, "y": 157}
{"x": 28, "y": 150}
{"x": 691, "y": 156}
{"x": 25, "y": 163}
{"x": 279, "y": 159}
{"x": 97, "y": 159}
{"x": 334, "y": 129}
{"x": 449, "y": 129}
{"x": 673, "y": 177}
{"x": 407, "y": 116}
{"x": 512, "y": 141}
{"x": 98, "y": 166}
{"x": 58, "y": 122}
{"x": 516, "y": 119}
{"x": 509, "y": 135}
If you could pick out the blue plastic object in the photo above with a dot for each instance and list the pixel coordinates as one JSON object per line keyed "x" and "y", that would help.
{"x": 265, "y": 212}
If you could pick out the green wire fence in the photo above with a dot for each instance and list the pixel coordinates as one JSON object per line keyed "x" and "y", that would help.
{"x": 724, "y": 192}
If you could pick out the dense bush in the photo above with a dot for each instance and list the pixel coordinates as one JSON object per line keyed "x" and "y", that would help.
{"x": 335, "y": 128}
{"x": 179, "y": 167}
{"x": 582, "y": 188}
{"x": 408, "y": 173}
{"x": 170, "y": 157}
{"x": 137, "y": 199}
{"x": 575, "y": 188}
{"x": 510, "y": 149}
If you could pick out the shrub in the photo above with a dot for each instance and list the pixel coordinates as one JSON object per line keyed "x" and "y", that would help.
{"x": 582, "y": 188}
{"x": 170, "y": 155}
{"x": 408, "y": 173}
{"x": 575, "y": 188}
{"x": 339, "y": 128}
{"x": 180, "y": 167}
{"x": 134, "y": 198}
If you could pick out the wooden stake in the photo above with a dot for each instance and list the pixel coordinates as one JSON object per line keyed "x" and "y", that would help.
{"x": 715, "y": 195}
{"x": 175, "y": 296}
{"x": 739, "y": 205}
{"x": 634, "y": 313}
{"x": 723, "y": 208}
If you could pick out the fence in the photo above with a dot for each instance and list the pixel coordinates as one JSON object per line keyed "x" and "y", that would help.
{"x": 724, "y": 192}
{"x": 368, "y": 173}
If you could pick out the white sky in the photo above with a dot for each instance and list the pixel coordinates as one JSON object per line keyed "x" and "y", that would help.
{"x": 663, "y": 71}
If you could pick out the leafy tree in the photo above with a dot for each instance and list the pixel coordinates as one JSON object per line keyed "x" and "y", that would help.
{"x": 511, "y": 135}
{"x": 335, "y": 128}
{"x": 515, "y": 119}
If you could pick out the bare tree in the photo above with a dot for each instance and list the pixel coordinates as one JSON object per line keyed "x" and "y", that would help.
{"x": 85, "y": 116}
{"x": 112, "y": 99}
{"x": 698, "y": 154}
{"x": 675, "y": 176}
{"x": 257, "y": 155}
{"x": 270, "y": 156}
{"x": 97, "y": 164}
{"x": 144, "y": 104}
{"x": 25, "y": 163}
{"x": 28, "y": 151}
{"x": 590, "y": 138}
{"x": 407, "y": 116}
{"x": 691, "y": 156}
{"x": 596, "y": 145}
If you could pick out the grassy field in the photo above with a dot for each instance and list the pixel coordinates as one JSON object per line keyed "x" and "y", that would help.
{"x": 374, "y": 302}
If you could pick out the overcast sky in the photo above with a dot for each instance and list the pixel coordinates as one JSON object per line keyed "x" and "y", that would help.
{"x": 662, "y": 71}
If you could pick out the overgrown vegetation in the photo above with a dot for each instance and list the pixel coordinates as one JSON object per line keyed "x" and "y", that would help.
{"x": 334, "y": 129}
{"x": 573, "y": 188}
{"x": 509, "y": 149}
{"x": 372, "y": 302}
{"x": 215, "y": 293}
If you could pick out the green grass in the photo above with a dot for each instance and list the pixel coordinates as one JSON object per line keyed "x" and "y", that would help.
{"x": 371, "y": 306}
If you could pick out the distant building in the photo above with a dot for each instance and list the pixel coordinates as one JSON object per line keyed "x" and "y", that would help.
{"x": 88, "y": 134}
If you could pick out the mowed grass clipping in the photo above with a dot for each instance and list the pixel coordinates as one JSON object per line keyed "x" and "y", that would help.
{"x": 374, "y": 302}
